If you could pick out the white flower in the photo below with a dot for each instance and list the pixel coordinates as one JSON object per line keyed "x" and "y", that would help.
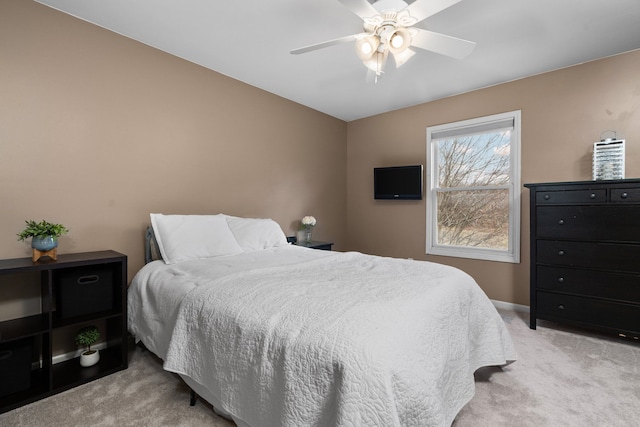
{"x": 308, "y": 221}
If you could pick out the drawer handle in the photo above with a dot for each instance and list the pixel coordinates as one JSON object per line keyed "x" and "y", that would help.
{"x": 560, "y": 306}
{"x": 561, "y": 253}
{"x": 560, "y": 279}
{"x": 547, "y": 197}
{"x": 561, "y": 222}
{"x": 85, "y": 280}
{"x": 624, "y": 195}
{"x": 592, "y": 196}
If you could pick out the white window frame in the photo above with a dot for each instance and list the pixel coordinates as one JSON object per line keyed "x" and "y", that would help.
{"x": 512, "y": 253}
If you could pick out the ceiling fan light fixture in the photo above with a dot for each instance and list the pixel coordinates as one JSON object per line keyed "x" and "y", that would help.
{"x": 389, "y": 29}
{"x": 376, "y": 62}
{"x": 401, "y": 57}
{"x": 400, "y": 40}
{"x": 366, "y": 47}
{"x": 397, "y": 41}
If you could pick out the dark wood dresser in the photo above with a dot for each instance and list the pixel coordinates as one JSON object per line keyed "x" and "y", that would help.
{"x": 585, "y": 254}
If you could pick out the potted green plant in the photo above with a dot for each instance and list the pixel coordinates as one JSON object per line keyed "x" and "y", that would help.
{"x": 44, "y": 238}
{"x": 44, "y": 234}
{"x": 86, "y": 337}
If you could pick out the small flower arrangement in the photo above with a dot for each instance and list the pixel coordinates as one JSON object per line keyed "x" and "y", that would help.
{"x": 308, "y": 222}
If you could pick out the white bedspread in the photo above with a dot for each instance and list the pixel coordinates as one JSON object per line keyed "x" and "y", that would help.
{"x": 333, "y": 339}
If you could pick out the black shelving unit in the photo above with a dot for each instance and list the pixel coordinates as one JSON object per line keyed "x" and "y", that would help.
{"x": 47, "y": 378}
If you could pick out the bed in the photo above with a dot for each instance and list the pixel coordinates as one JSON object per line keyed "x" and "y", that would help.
{"x": 273, "y": 334}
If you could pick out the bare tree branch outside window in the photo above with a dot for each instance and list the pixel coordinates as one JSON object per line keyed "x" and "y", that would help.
{"x": 473, "y": 194}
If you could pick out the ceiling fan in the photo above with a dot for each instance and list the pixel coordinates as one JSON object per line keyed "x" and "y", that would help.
{"x": 388, "y": 28}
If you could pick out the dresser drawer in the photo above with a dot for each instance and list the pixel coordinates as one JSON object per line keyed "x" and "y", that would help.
{"x": 602, "y": 256}
{"x": 571, "y": 196}
{"x": 625, "y": 195}
{"x": 611, "y": 223}
{"x": 601, "y": 284}
{"x": 587, "y": 311}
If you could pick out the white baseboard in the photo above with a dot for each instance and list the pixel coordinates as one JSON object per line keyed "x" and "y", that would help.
{"x": 510, "y": 306}
{"x": 68, "y": 356}
{"x": 73, "y": 354}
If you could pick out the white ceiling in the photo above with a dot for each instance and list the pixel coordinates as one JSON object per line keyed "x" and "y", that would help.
{"x": 250, "y": 40}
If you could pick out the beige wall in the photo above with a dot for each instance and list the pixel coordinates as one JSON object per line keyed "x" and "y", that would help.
{"x": 563, "y": 113}
{"x": 97, "y": 131}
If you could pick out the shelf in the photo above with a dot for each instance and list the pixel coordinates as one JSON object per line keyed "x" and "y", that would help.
{"x": 70, "y": 374}
{"x": 78, "y": 320}
{"x": 39, "y": 388}
{"x": 24, "y": 327}
{"x": 22, "y": 265}
{"x": 61, "y": 289}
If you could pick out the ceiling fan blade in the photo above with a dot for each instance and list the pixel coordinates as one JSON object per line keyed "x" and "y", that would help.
{"x": 362, "y": 8}
{"x": 327, "y": 43}
{"x": 422, "y": 9}
{"x": 441, "y": 43}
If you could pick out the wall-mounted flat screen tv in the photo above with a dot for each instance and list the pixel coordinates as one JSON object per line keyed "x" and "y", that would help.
{"x": 398, "y": 183}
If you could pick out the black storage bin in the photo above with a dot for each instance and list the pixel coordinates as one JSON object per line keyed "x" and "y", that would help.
{"x": 83, "y": 291}
{"x": 15, "y": 366}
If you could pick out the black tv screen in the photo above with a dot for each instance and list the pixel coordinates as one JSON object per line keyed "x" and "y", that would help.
{"x": 398, "y": 183}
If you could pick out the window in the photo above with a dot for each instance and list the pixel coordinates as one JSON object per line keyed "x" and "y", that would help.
{"x": 473, "y": 188}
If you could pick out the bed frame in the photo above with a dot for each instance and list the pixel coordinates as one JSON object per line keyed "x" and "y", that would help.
{"x": 152, "y": 253}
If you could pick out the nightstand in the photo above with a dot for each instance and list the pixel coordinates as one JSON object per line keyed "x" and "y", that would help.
{"x": 314, "y": 244}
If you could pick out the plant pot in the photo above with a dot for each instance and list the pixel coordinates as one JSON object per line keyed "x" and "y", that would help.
{"x": 44, "y": 243}
{"x": 89, "y": 358}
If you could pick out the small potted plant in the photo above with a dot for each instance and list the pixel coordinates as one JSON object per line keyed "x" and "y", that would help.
{"x": 44, "y": 237}
{"x": 86, "y": 337}
{"x": 44, "y": 234}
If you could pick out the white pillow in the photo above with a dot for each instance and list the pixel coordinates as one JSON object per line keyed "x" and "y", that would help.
{"x": 254, "y": 234}
{"x": 185, "y": 237}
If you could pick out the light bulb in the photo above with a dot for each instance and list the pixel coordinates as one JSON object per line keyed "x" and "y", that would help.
{"x": 397, "y": 40}
{"x": 366, "y": 48}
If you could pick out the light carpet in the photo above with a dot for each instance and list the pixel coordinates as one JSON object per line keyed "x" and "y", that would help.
{"x": 562, "y": 377}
